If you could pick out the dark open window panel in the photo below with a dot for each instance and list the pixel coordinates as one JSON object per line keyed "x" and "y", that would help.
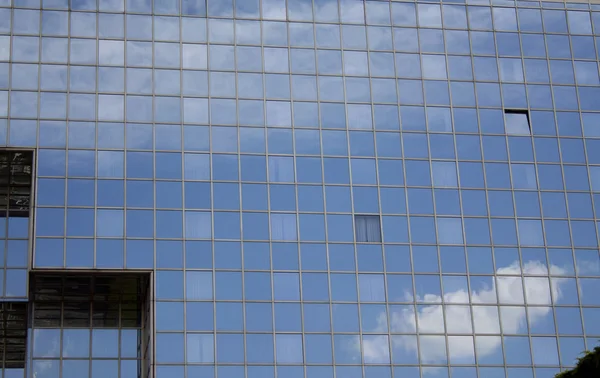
{"x": 13, "y": 335}
{"x": 517, "y": 111}
{"x": 16, "y": 176}
{"x": 100, "y": 300}
{"x": 525, "y": 112}
{"x": 367, "y": 228}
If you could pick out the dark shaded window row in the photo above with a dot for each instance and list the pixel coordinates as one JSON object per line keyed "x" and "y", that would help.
{"x": 15, "y": 183}
{"x": 87, "y": 300}
{"x": 13, "y": 336}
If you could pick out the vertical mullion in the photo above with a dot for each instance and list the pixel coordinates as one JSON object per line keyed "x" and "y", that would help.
{"x": 5, "y": 241}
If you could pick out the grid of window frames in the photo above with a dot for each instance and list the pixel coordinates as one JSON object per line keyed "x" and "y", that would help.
{"x": 353, "y": 188}
{"x": 86, "y": 326}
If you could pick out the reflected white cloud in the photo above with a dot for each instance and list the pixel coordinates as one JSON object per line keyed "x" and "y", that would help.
{"x": 166, "y": 54}
{"x": 196, "y": 167}
{"x": 53, "y": 105}
{"x": 111, "y": 79}
{"x": 111, "y": 107}
{"x": 356, "y": 63}
{"x": 54, "y": 22}
{"x": 247, "y": 32}
{"x": 505, "y": 19}
{"x": 3, "y": 103}
{"x": 110, "y": 164}
{"x": 300, "y": 10}
{"x": 220, "y": 31}
{"x": 113, "y": 5}
{"x": 194, "y": 56}
{"x": 326, "y": 10}
{"x": 46, "y": 345}
{"x": 429, "y": 15}
{"x": 4, "y": 47}
{"x": 376, "y": 349}
{"x": 23, "y": 104}
{"x": 279, "y": 113}
{"x": 586, "y": 262}
{"x": 139, "y": 53}
{"x": 486, "y": 320}
{"x": 273, "y": 9}
{"x": 139, "y": 5}
{"x": 352, "y": 11}
{"x": 83, "y": 51}
{"x": 55, "y": 50}
{"x": 24, "y": 48}
{"x": 166, "y": 28}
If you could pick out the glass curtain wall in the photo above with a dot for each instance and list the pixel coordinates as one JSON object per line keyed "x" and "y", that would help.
{"x": 323, "y": 188}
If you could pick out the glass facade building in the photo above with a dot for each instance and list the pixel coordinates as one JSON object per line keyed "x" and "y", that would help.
{"x": 298, "y": 189}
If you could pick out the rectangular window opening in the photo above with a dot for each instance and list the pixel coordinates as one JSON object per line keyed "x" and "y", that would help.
{"x": 15, "y": 183}
{"x": 13, "y": 338}
{"x": 16, "y": 178}
{"x": 517, "y": 122}
{"x": 367, "y": 228}
{"x": 94, "y": 316}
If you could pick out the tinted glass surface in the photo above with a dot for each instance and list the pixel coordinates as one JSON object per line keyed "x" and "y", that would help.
{"x": 322, "y": 188}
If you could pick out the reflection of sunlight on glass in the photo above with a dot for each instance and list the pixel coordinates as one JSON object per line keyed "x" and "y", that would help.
{"x": 430, "y": 318}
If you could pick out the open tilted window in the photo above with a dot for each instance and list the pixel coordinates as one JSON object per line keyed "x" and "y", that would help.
{"x": 516, "y": 122}
{"x": 367, "y": 228}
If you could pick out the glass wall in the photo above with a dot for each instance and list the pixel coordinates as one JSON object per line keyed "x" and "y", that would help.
{"x": 323, "y": 188}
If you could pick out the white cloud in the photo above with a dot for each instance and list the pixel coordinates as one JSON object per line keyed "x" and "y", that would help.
{"x": 113, "y": 5}
{"x": 301, "y": 9}
{"x": 274, "y": 9}
{"x": 586, "y": 261}
{"x": 376, "y": 349}
{"x": 325, "y": 7}
{"x": 486, "y": 320}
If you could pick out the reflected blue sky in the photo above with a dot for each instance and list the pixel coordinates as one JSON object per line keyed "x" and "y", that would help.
{"x": 229, "y": 145}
